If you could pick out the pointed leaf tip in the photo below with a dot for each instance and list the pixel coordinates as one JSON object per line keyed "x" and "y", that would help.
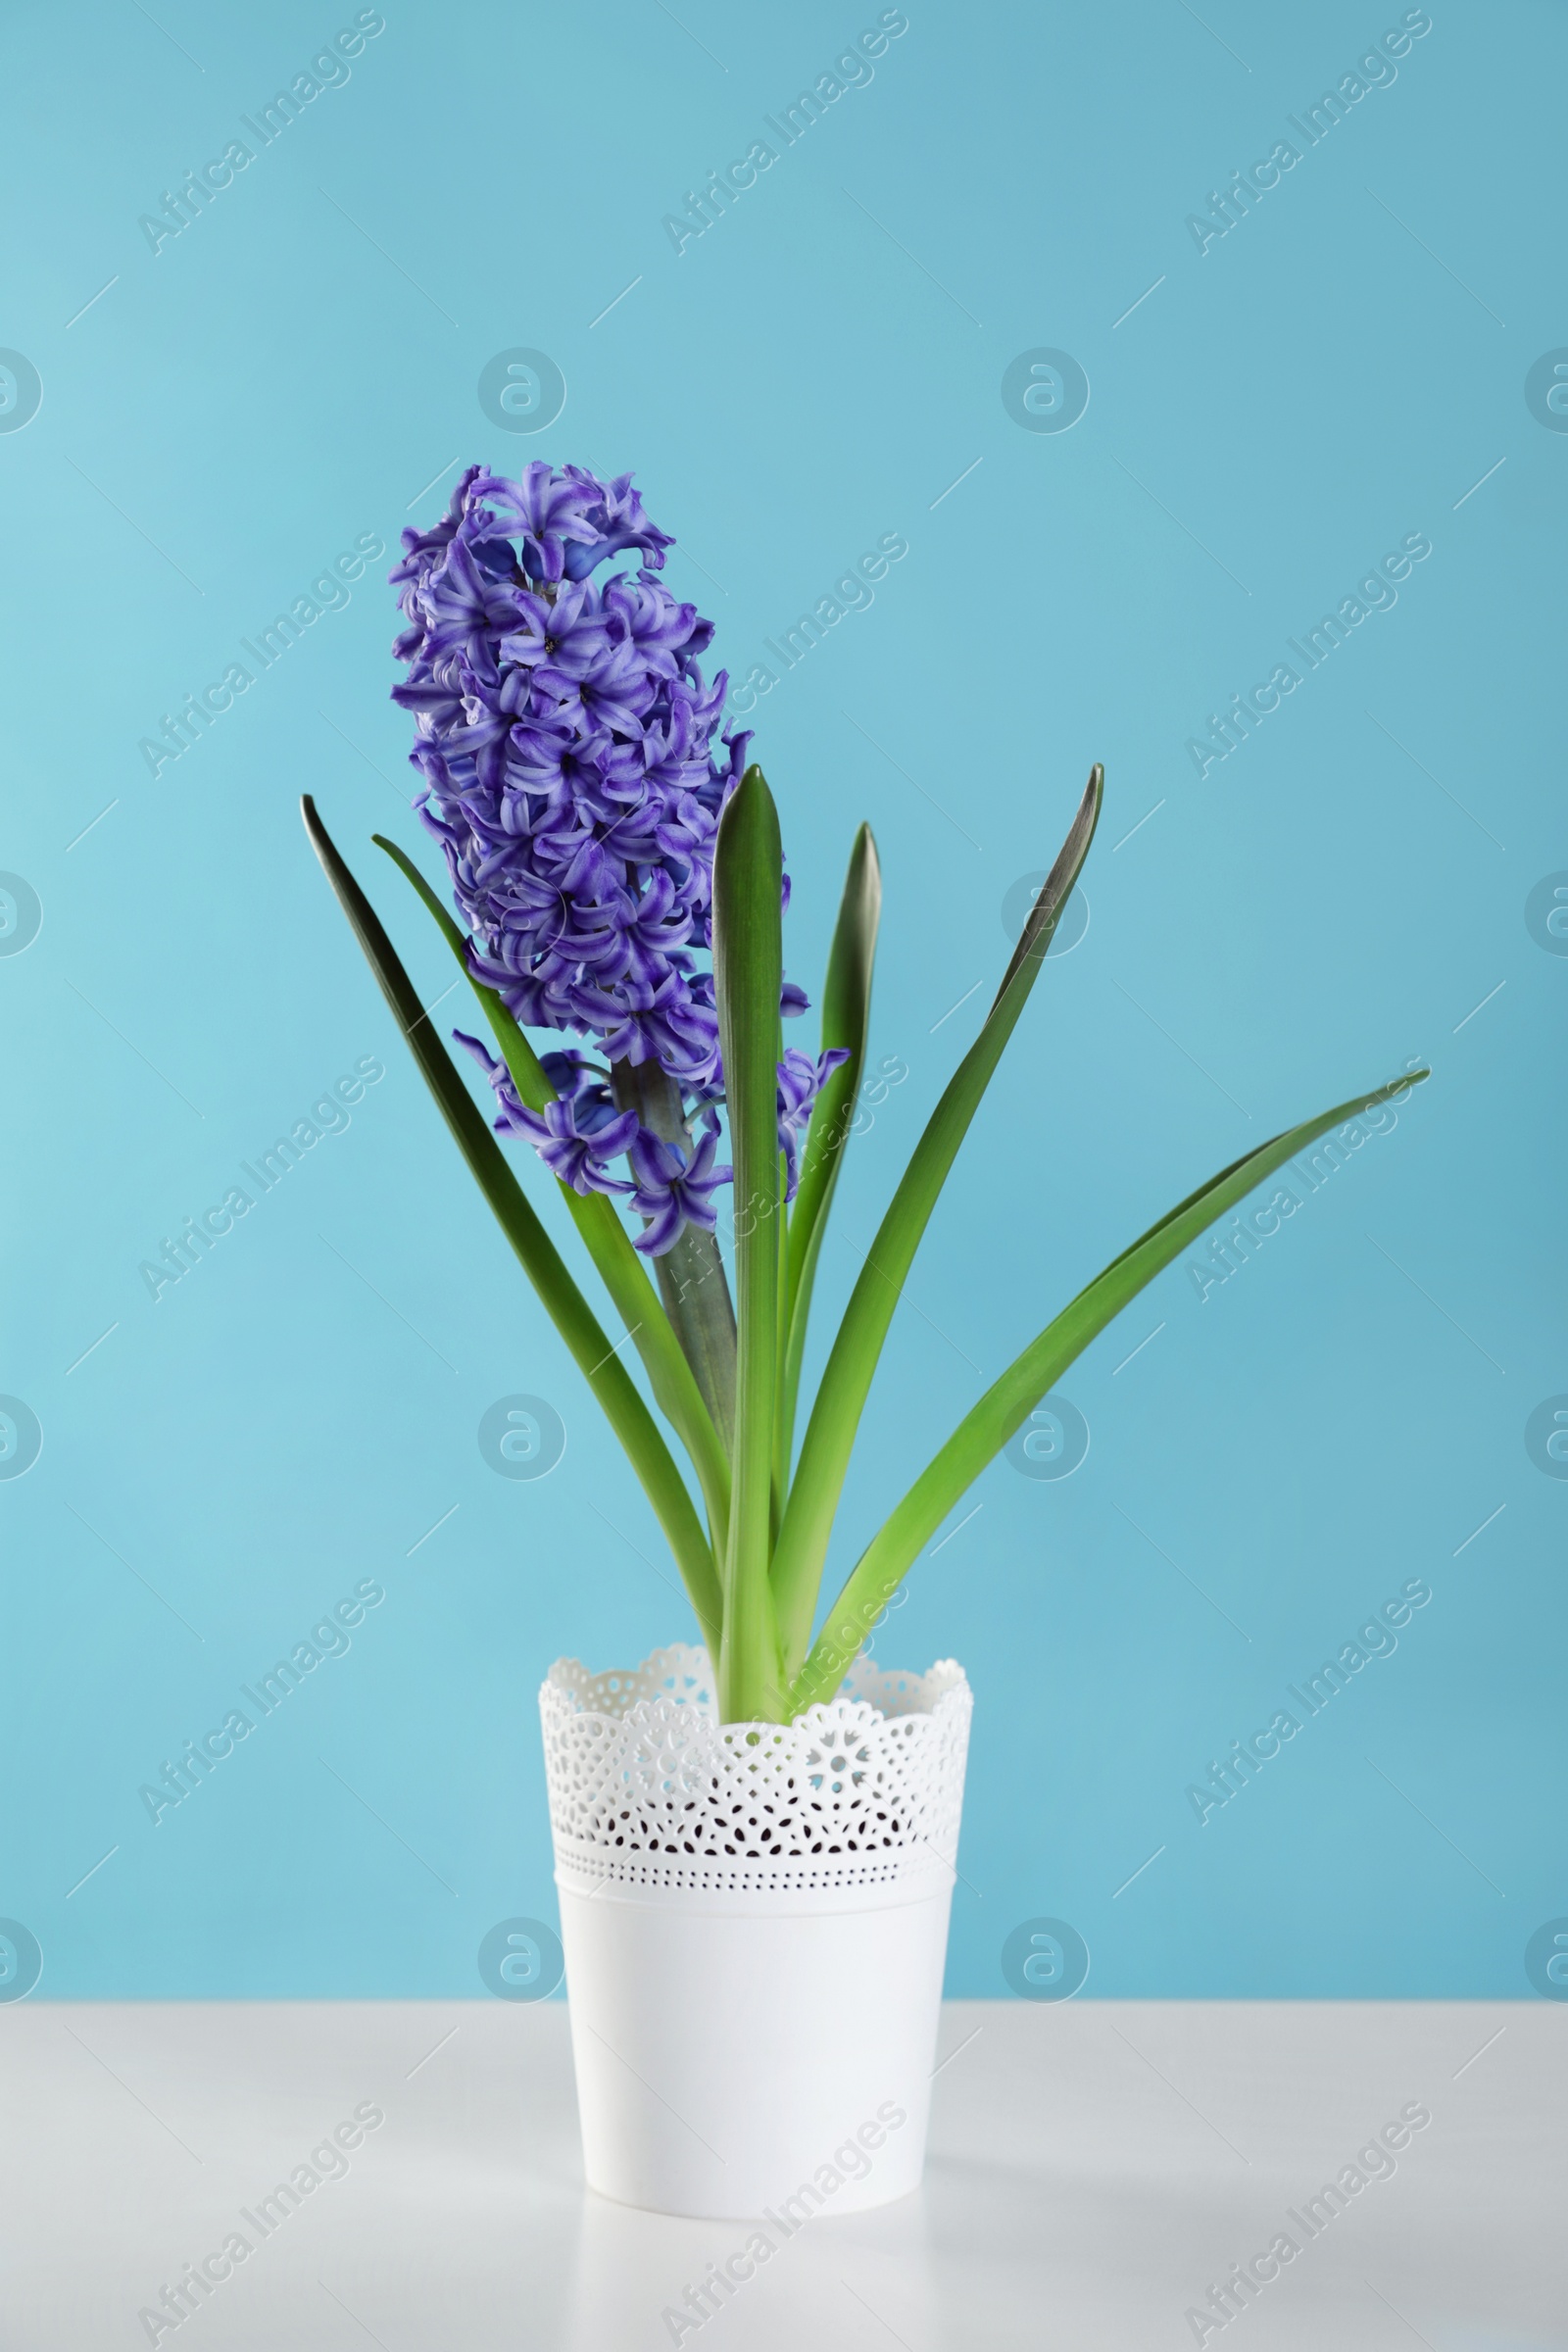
{"x": 1035, "y": 940}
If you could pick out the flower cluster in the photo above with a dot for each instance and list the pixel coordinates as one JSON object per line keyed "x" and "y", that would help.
{"x": 567, "y": 743}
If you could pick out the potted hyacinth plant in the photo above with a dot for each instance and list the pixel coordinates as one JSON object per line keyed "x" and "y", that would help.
{"x": 754, "y": 1830}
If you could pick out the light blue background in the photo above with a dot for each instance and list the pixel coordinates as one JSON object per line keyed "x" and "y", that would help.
{"x": 812, "y": 372}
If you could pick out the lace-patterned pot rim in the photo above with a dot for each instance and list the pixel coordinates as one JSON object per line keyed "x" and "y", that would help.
{"x": 857, "y": 1799}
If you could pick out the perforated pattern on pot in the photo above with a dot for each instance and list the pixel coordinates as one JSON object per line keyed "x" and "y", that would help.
{"x": 648, "y": 1789}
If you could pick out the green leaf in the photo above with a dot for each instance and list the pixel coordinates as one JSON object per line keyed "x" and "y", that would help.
{"x": 846, "y": 1018}
{"x": 541, "y": 1262}
{"x": 835, "y": 1417}
{"x": 620, "y": 1269}
{"x": 748, "y": 973}
{"x": 1008, "y": 1403}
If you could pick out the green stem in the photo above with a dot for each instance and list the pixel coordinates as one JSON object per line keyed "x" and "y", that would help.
{"x": 691, "y": 1275}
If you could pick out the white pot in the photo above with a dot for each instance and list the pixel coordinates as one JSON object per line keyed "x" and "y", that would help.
{"x": 755, "y": 1918}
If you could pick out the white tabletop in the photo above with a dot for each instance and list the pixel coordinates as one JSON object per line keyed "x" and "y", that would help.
{"x": 1095, "y": 2168}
